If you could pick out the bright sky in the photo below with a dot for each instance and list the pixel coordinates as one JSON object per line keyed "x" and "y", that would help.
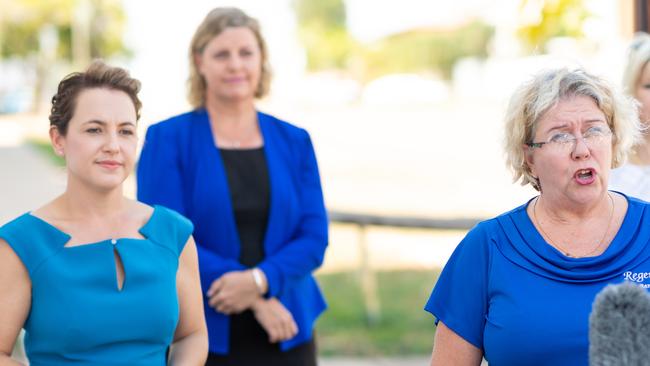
{"x": 372, "y": 19}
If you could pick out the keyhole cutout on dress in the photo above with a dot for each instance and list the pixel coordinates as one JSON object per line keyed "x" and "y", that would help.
{"x": 119, "y": 269}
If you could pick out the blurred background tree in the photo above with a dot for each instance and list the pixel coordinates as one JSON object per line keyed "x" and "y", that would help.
{"x": 427, "y": 50}
{"x": 24, "y": 21}
{"x": 324, "y": 33}
{"x": 328, "y": 44}
{"x": 40, "y": 33}
{"x": 552, "y": 18}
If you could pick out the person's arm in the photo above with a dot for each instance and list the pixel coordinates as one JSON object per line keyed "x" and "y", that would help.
{"x": 190, "y": 345}
{"x": 451, "y": 349}
{"x": 460, "y": 300}
{"x": 160, "y": 182}
{"x": 15, "y": 301}
{"x": 276, "y": 320}
{"x": 213, "y": 266}
{"x": 236, "y": 291}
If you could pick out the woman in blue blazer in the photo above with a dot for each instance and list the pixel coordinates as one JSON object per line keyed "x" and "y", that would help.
{"x": 249, "y": 182}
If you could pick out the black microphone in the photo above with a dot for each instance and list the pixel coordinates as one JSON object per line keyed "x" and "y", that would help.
{"x": 619, "y": 326}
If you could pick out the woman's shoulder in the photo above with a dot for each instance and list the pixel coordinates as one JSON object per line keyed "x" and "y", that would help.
{"x": 32, "y": 239}
{"x": 174, "y": 133}
{"x": 31, "y": 222}
{"x": 165, "y": 224}
{"x": 179, "y": 121}
{"x": 282, "y": 125}
{"x": 483, "y": 231}
{"x": 634, "y": 204}
{"x": 22, "y": 223}
{"x": 165, "y": 214}
{"x": 493, "y": 230}
{"x": 495, "y": 223}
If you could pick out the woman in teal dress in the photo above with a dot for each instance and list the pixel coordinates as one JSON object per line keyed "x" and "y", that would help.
{"x": 95, "y": 278}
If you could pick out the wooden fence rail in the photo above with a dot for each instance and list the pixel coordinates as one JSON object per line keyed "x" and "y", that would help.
{"x": 367, "y": 275}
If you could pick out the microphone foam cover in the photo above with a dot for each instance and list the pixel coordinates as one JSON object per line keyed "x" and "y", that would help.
{"x": 619, "y": 326}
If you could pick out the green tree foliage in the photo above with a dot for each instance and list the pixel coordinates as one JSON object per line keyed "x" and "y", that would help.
{"x": 323, "y": 31}
{"x": 329, "y": 13}
{"x": 427, "y": 50}
{"x": 557, "y": 18}
{"x": 22, "y": 22}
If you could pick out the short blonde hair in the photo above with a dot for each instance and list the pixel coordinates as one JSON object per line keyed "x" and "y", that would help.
{"x": 535, "y": 97}
{"x": 215, "y": 22}
{"x": 637, "y": 57}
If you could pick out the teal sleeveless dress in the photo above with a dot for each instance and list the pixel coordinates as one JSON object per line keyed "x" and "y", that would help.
{"x": 78, "y": 314}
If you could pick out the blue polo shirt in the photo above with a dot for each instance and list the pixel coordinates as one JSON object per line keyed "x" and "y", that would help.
{"x": 521, "y": 301}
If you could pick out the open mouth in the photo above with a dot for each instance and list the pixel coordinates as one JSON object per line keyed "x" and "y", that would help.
{"x": 585, "y": 176}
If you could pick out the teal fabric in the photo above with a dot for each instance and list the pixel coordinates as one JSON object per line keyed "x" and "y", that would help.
{"x": 79, "y": 316}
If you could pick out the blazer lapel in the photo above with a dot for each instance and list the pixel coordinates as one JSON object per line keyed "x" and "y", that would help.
{"x": 273, "y": 146}
{"x": 212, "y": 191}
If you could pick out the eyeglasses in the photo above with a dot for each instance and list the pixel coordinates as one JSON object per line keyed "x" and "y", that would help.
{"x": 564, "y": 141}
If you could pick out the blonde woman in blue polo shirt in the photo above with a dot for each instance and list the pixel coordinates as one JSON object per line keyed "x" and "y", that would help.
{"x": 519, "y": 288}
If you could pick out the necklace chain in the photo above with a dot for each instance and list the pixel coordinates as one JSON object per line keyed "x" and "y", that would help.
{"x": 566, "y": 252}
{"x": 237, "y": 142}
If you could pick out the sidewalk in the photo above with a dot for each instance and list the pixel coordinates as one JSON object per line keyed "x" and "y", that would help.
{"x": 27, "y": 181}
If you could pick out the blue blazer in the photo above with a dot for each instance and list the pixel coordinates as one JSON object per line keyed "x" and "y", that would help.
{"x": 181, "y": 168}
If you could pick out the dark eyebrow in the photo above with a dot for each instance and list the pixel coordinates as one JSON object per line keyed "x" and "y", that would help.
{"x": 102, "y": 123}
{"x": 96, "y": 121}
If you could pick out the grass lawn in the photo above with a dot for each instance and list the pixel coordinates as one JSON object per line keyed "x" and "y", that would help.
{"x": 404, "y": 329}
